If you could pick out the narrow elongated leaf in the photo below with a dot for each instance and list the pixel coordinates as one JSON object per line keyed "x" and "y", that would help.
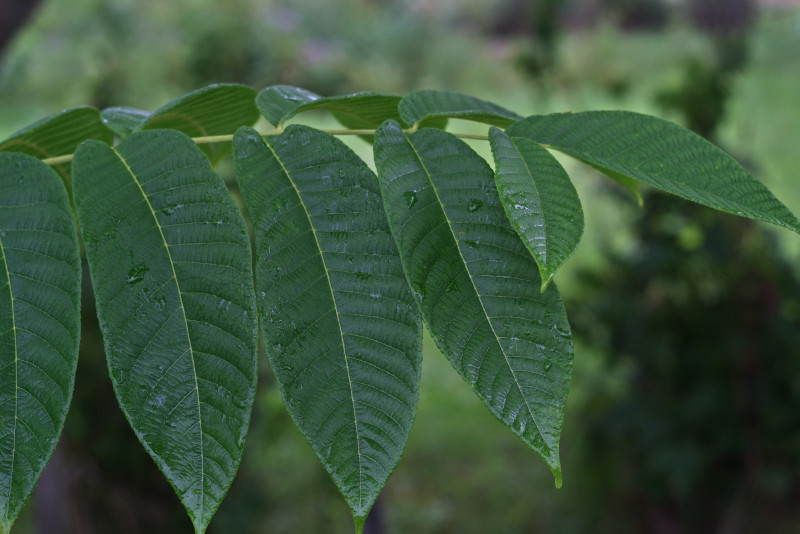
{"x": 123, "y": 121}
{"x": 170, "y": 262}
{"x": 539, "y": 199}
{"x": 661, "y": 154}
{"x": 58, "y": 135}
{"x": 477, "y": 285}
{"x": 40, "y": 277}
{"x": 342, "y": 330}
{"x": 280, "y": 103}
{"x": 425, "y": 105}
{"x": 218, "y": 109}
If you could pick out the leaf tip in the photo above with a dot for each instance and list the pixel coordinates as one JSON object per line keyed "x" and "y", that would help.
{"x": 557, "y": 476}
{"x": 547, "y": 277}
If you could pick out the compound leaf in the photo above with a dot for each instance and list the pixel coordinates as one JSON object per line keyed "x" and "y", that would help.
{"x": 342, "y": 330}
{"x": 39, "y": 323}
{"x": 58, "y": 135}
{"x": 218, "y": 109}
{"x": 539, "y": 199}
{"x": 660, "y": 154}
{"x": 123, "y": 121}
{"x": 476, "y": 283}
{"x": 170, "y": 263}
{"x": 429, "y": 104}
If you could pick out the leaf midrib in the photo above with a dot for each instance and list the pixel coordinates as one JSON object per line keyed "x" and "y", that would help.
{"x": 338, "y": 320}
{"x": 16, "y": 376}
{"x": 185, "y": 324}
{"x": 477, "y": 293}
{"x": 538, "y": 197}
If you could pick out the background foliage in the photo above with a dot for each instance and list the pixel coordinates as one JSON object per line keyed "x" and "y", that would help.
{"x": 637, "y": 55}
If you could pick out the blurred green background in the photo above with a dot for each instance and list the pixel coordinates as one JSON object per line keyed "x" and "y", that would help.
{"x": 683, "y": 416}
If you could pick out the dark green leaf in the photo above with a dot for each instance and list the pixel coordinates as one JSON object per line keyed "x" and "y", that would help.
{"x": 170, "y": 262}
{"x": 539, "y": 199}
{"x": 661, "y": 154}
{"x": 58, "y": 135}
{"x": 39, "y": 323}
{"x": 477, "y": 284}
{"x": 123, "y": 121}
{"x": 280, "y": 103}
{"x": 342, "y": 330}
{"x": 424, "y": 105}
{"x": 218, "y": 109}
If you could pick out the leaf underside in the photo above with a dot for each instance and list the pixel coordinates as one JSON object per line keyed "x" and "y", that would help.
{"x": 661, "y": 154}
{"x": 341, "y": 327}
{"x": 58, "y": 135}
{"x": 476, "y": 283}
{"x": 218, "y": 109}
{"x": 426, "y": 105}
{"x": 539, "y": 199}
{"x": 170, "y": 263}
{"x": 39, "y": 323}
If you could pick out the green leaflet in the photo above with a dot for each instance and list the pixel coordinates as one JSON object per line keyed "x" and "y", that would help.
{"x": 425, "y": 105}
{"x": 342, "y": 330}
{"x": 539, "y": 199}
{"x": 170, "y": 263}
{"x": 39, "y": 323}
{"x": 57, "y": 135}
{"x": 123, "y": 121}
{"x": 279, "y": 103}
{"x": 218, "y": 109}
{"x": 661, "y": 154}
{"x": 476, "y": 284}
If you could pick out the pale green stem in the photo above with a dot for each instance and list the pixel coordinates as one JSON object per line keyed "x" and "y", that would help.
{"x": 59, "y": 160}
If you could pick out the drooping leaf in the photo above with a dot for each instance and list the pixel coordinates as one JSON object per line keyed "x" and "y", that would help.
{"x": 357, "y": 111}
{"x": 539, "y": 199}
{"x": 58, "y": 135}
{"x": 279, "y": 103}
{"x": 341, "y": 327}
{"x": 39, "y": 323}
{"x": 123, "y": 121}
{"x": 170, "y": 263}
{"x": 477, "y": 285}
{"x": 661, "y": 154}
{"x": 218, "y": 109}
{"x": 428, "y": 104}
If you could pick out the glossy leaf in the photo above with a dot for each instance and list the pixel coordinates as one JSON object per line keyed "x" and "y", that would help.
{"x": 123, "y": 121}
{"x": 425, "y": 105}
{"x": 40, "y": 277}
{"x": 661, "y": 154}
{"x": 476, "y": 283}
{"x": 539, "y": 199}
{"x": 170, "y": 263}
{"x": 280, "y": 103}
{"x": 341, "y": 327}
{"x": 58, "y": 135}
{"x": 218, "y": 109}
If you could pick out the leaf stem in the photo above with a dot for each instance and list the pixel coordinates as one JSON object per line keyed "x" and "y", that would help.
{"x": 59, "y": 160}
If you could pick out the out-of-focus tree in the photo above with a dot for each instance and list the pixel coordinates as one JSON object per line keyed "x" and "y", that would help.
{"x": 14, "y": 15}
{"x": 702, "y": 317}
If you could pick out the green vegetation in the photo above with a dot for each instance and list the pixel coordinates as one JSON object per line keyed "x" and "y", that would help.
{"x": 443, "y": 482}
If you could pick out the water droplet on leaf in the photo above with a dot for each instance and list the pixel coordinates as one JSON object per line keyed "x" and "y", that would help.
{"x": 474, "y": 205}
{"x": 411, "y": 198}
